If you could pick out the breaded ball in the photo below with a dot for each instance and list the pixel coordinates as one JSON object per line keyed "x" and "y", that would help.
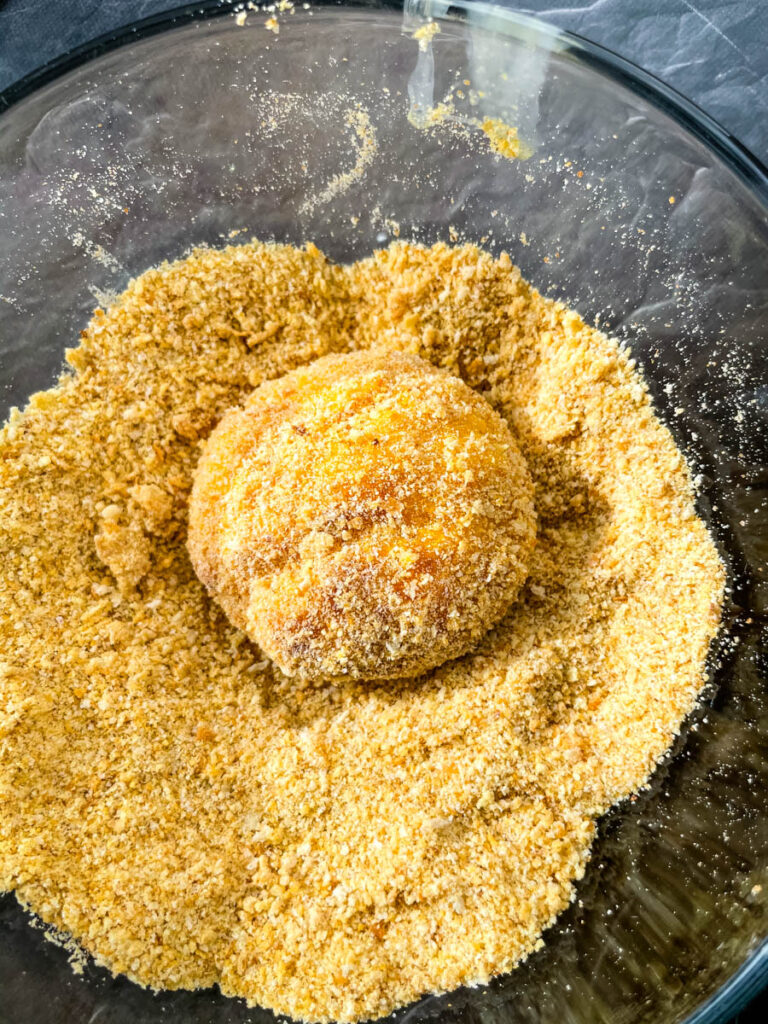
{"x": 367, "y": 516}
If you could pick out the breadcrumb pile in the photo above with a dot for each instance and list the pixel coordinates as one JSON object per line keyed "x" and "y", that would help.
{"x": 367, "y": 516}
{"x": 189, "y": 814}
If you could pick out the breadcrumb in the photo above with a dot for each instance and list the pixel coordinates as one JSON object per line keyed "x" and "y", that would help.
{"x": 193, "y": 817}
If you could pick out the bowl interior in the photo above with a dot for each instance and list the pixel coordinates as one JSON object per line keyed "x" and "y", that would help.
{"x": 345, "y": 130}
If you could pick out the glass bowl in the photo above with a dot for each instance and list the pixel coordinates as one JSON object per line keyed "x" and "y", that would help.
{"x": 205, "y": 126}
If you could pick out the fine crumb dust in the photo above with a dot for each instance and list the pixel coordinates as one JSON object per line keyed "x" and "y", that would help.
{"x": 503, "y": 138}
{"x": 364, "y": 147}
{"x": 191, "y": 816}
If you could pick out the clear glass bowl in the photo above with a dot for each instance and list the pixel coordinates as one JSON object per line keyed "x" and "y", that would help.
{"x": 634, "y": 207}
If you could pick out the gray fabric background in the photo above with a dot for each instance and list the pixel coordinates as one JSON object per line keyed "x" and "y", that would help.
{"x": 713, "y": 51}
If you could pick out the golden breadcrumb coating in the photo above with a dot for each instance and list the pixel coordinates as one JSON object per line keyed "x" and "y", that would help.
{"x": 366, "y": 516}
{"x": 193, "y": 817}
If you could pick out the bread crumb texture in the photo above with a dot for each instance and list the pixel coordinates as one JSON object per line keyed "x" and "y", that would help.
{"x": 194, "y": 817}
{"x": 367, "y": 516}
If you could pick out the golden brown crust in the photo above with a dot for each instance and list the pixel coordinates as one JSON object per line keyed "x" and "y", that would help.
{"x": 367, "y": 516}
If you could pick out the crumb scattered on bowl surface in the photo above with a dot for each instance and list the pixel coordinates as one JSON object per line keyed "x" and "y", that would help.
{"x": 503, "y": 139}
{"x": 193, "y": 817}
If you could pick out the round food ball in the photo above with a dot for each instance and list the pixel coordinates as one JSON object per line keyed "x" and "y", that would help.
{"x": 367, "y": 516}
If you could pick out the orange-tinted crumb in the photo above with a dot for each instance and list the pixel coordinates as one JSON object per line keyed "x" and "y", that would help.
{"x": 192, "y": 816}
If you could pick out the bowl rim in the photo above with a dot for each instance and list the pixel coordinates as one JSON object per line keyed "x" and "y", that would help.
{"x": 752, "y": 976}
{"x": 738, "y": 157}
